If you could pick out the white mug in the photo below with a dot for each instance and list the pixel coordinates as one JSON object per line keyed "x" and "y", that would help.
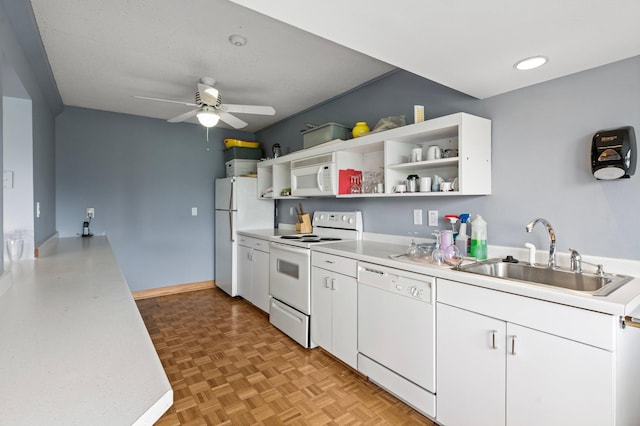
{"x": 380, "y": 188}
{"x": 425, "y": 184}
{"x": 416, "y": 154}
{"x": 446, "y": 186}
{"x": 400, "y": 188}
{"x": 434, "y": 152}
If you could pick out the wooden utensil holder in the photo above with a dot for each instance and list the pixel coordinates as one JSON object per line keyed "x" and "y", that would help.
{"x": 304, "y": 224}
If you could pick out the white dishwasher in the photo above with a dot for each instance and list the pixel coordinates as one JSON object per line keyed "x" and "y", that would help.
{"x": 396, "y": 333}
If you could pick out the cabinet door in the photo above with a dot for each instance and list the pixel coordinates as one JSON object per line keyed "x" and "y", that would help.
{"x": 321, "y": 308}
{"x": 345, "y": 319}
{"x": 470, "y": 371}
{"x": 556, "y": 381}
{"x": 245, "y": 266}
{"x": 260, "y": 291}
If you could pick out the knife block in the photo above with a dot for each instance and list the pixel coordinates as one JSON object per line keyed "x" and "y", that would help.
{"x": 304, "y": 224}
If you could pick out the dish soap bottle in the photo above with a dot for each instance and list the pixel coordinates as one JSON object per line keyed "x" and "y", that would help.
{"x": 479, "y": 238}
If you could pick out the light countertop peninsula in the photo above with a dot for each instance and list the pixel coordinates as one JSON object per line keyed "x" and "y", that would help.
{"x": 73, "y": 347}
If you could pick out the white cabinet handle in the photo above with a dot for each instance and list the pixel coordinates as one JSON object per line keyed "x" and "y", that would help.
{"x": 493, "y": 339}
{"x": 333, "y": 283}
{"x": 513, "y": 345}
{"x": 331, "y": 262}
{"x": 326, "y": 282}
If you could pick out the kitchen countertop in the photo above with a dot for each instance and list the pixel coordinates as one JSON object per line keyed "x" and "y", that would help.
{"x": 75, "y": 350}
{"x": 623, "y": 301}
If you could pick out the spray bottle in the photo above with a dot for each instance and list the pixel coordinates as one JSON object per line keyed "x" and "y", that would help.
{"x": 479, "y": 238}
{"x": 462, "y": 241}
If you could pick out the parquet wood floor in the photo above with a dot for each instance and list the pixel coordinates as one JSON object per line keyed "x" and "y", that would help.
{"x": 228, "y": 366}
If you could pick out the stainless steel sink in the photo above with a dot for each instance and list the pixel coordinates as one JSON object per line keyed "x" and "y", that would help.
{"x": 594, "y": 284}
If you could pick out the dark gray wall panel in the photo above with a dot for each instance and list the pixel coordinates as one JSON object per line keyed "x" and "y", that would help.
{"x": 142, "y": 176}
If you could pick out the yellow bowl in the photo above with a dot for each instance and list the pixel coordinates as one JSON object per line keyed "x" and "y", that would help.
{"x": 229, "y": 143}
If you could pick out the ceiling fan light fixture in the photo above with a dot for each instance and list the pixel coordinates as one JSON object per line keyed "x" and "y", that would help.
{"x": 208, "y": 117}
{"x": 531, "y": 63}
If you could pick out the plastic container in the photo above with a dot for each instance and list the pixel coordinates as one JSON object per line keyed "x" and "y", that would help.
{"x": 241, "y": 167}
{"x": 229, "y": 143}
{"x": 239, "y": 153}
{"x": 479, "y": 238}
{"x": 325, "y": 133}
{"x": 15, "y": 247}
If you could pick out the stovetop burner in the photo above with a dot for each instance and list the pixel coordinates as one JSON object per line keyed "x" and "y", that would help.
{"x": 298, "y": 237}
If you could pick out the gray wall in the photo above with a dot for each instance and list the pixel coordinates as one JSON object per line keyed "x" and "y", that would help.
{"x": 16, "y": 16}
{"x": 540, "y": 157}
{"x": 142, "y": 176}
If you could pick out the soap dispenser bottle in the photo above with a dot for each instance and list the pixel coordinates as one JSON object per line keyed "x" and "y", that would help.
{"x": 462, "y": 240}
{"x": 479, "y": 238}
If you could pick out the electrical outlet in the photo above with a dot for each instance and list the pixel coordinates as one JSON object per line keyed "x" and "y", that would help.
{"x": 194, "y": 211}
{"x": 37, "y": 209}
{"x": 91, "y": 213}
{"x": 433, "y": 217}
{"x": 417, "y": 216}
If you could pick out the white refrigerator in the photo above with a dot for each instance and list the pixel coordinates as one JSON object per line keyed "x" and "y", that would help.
{"x": 237, "y": 207}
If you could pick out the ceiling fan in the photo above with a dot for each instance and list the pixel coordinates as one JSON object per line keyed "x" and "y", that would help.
{"x": 210, "y": 108}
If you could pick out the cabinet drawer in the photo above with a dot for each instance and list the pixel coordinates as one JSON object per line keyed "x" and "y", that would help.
{"x": 339, "y": 264}
{"x": 581, "y": 325}
{"x": 255, "y": 243}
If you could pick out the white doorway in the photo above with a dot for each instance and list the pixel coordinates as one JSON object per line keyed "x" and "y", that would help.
{"x": 17, "y": 159}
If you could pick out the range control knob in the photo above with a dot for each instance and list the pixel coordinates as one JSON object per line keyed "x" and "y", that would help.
{"x": 344, "y": 218}
{"x": 398, "y": 287}
{"x": 415, "y": 291}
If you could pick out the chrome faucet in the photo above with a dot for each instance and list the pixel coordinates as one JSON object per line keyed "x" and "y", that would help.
{"x": 552, "y": 239}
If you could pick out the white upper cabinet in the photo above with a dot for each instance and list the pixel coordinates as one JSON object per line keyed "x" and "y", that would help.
{"x": 463, "y": 139}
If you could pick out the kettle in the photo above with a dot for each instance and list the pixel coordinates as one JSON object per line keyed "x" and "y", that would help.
{"x": 412, "y": 183}
{"x": 276, "y": 150}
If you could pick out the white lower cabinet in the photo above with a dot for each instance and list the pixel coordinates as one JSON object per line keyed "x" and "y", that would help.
{"x": 253, "y": 271}
{"x": 493, "y": 372}
{"x": 334, "y": 306}
{"x": 470, "y": 374}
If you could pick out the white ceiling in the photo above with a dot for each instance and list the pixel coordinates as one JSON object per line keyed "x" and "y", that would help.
{"x": 102, "y": 53}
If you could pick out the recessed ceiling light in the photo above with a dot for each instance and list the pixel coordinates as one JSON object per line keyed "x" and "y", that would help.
{"x": 530, "y": 63}
{"x": 237, "y": 40}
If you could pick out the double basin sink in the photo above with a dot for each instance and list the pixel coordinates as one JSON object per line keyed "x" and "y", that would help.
{"x": 601, "y": 284}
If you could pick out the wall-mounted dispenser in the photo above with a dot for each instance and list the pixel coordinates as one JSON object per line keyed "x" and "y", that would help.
{"x": 613, "y": 153}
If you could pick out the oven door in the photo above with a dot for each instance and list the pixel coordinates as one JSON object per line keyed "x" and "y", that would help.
{"x": 290, "y": 276}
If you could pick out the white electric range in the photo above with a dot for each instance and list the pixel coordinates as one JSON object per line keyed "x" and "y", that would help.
{"x": 290, "y": 270}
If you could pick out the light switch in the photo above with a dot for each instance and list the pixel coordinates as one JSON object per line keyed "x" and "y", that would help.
{"x": 417, "y": 216}
{"x": 433, "y": 217}
{"x": 194, "y": 211}
{"x": 7, "y": 179}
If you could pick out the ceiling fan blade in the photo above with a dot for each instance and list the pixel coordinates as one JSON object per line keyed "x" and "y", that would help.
{"x": 248, "y": 109}
{"x": 165, "y": 100}
{"x": 231, "y": 120}
{"x": 185, "y": 116}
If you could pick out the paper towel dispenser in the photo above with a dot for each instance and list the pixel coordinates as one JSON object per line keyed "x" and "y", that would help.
{"x": 613, "y": 153}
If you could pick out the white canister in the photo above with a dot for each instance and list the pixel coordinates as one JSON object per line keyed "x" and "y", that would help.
{"x": 425, "y": 184}
{"x": 416, "y": 154}
{"x": 434, "y": 152}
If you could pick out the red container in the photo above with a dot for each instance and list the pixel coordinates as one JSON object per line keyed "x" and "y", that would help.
{"x": 344, "y": 180}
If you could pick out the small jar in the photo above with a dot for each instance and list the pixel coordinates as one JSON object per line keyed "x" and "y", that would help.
{"x": 360, "y": 129}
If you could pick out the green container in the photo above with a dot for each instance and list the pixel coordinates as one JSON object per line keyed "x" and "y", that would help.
{"x": 241, "y": 153}
{"x": 325, "y": 133}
